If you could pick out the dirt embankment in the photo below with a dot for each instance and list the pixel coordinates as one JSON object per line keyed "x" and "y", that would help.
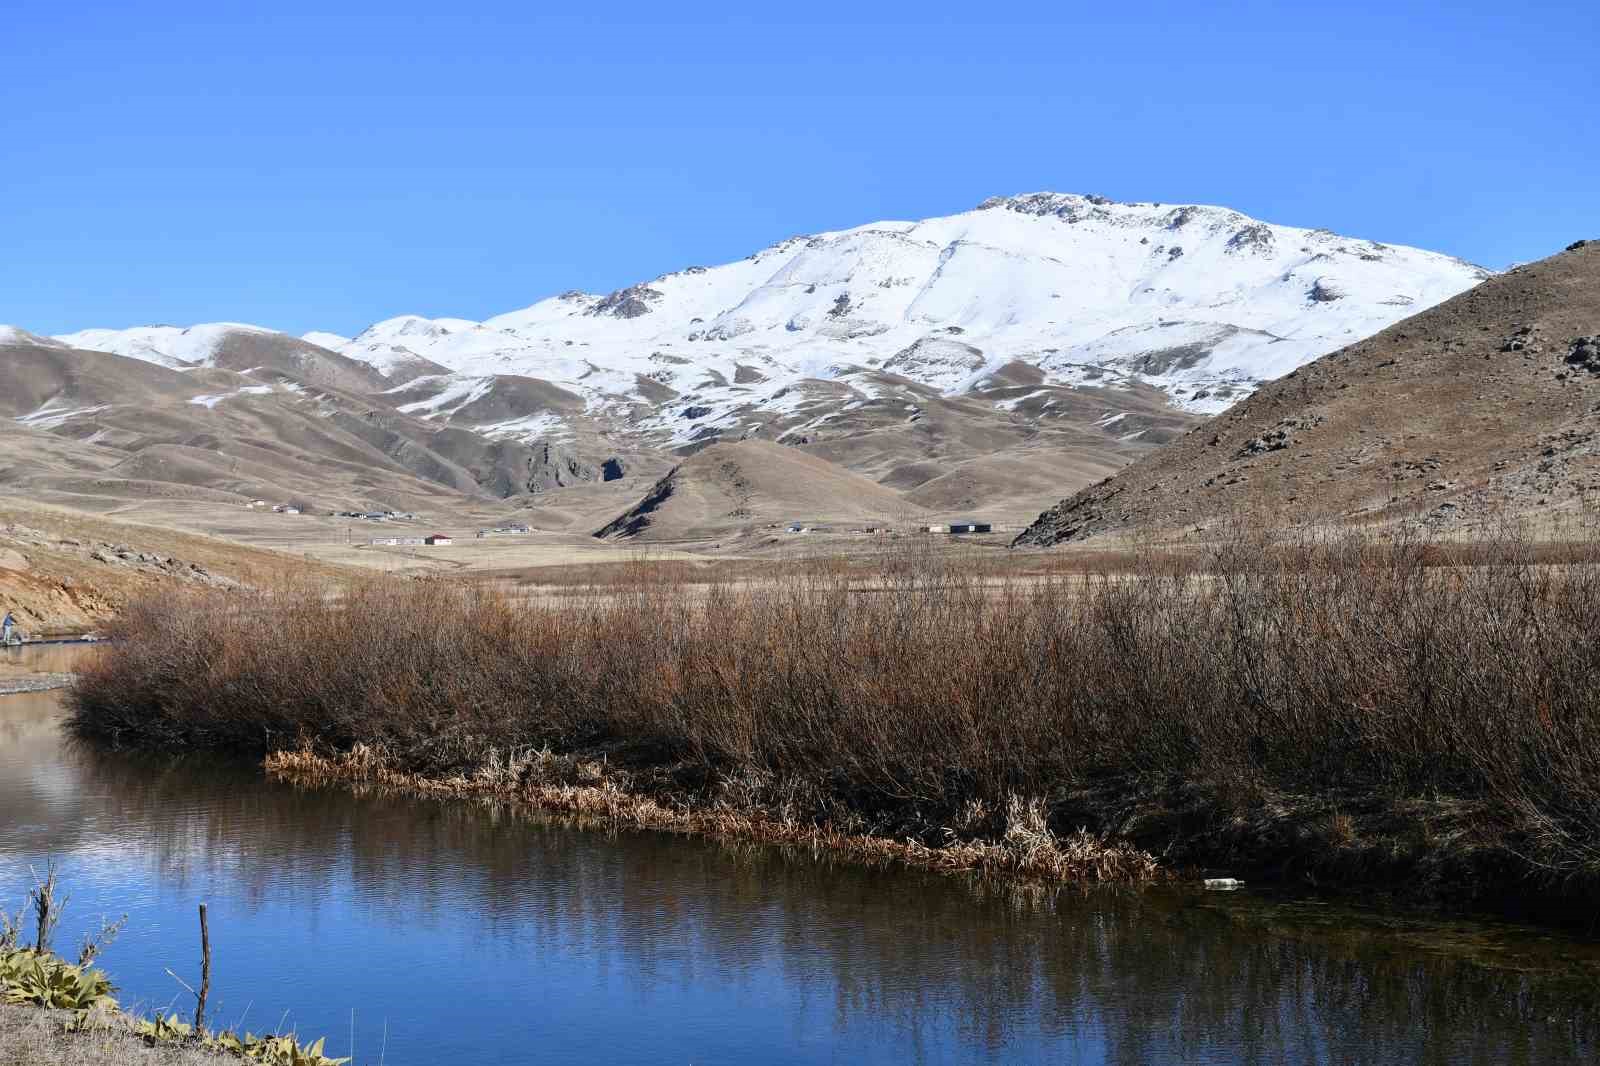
{"x": 64, "y": 571}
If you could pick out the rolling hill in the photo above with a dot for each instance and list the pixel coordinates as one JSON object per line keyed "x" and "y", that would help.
{"x": 727, "y": 488}
{"x": 1487, "y": 403}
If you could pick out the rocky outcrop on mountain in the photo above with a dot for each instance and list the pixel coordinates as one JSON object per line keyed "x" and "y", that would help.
{"x": 1277, "y": 438}
{"x": 1584, "y": 354}
{"x": 638, "y": 518}
{"x": 627, "y": 303}
{"x": 552, "y": 467}
{"x": 1324, "y": 291}
{"x": 1252, "y": 238}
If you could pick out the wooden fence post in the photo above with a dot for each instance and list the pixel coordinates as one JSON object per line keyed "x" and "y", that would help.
{"x": 205, "y": 976}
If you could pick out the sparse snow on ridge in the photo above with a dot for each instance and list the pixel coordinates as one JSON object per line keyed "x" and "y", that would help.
{"x": 1201, "y": 302}
{"x": 211, "y": 400}
{"x": 55, "y": 413}
{"x": 18, "y": 335}
{"x": 169, "y": 346}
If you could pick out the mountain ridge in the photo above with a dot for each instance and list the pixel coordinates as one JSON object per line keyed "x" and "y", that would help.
{"x": 815, "y": 306}
{"x": 988, "y": 359}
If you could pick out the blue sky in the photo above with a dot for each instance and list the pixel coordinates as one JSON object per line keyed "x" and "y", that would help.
{"x": 327, "y": 165}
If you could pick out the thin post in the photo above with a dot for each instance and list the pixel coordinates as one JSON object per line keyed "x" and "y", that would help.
{"x": 205, "y": 976}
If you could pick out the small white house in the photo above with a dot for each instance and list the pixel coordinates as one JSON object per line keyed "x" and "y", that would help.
{"x": 438, "y": 540}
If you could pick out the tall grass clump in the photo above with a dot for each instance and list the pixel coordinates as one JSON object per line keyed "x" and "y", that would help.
{"x": 1380, "y": 701}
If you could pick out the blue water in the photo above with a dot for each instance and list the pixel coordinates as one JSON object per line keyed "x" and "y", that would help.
{"x": 451, "y": 932}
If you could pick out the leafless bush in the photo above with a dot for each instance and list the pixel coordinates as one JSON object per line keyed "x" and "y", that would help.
{"x": 1388, "y": 666}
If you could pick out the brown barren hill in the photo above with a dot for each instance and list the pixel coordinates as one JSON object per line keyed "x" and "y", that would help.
{"x": 730, "y": 487}
{"x": 1487, "y": 403}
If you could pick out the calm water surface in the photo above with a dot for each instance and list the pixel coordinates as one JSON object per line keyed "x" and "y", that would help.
{"x": 474, "y": 935}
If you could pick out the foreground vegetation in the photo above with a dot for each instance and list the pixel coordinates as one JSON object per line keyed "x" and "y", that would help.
{"x": 1353, "y": 709}
{"x": 77, "y": 1018}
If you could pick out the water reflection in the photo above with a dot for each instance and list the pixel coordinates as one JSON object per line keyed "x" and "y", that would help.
{"x": 487, "y": 935}
{"x": 43, "y": 658}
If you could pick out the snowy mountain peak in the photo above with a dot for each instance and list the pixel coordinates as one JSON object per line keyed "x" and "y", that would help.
{"x": 1201, "y": 302}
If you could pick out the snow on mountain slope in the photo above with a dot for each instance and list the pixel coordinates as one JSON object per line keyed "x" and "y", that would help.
{"x": 1202, "y": 303}
{"x": 170, "y": 346}
{"x": 18, "y": 335}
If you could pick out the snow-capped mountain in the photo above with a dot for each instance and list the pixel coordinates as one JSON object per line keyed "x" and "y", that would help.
{"x": 1201, "y": 303}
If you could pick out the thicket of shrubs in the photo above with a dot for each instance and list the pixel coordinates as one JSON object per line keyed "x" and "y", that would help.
{"x": 1352, "y": 670}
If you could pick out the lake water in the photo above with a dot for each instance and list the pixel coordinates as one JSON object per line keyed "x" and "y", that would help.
{"x": 450, "y": 932}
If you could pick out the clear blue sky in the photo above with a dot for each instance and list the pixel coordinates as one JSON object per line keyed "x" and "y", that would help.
{"x": 328, "y": 165}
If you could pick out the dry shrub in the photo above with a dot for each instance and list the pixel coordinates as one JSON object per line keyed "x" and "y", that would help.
{"x": 923, "y": 696}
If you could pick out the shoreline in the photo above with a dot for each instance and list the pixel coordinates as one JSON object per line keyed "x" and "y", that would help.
{"x": 26, "y": 683}
{"x": 568, "y": 785}
{"x": 1419, "y": 856}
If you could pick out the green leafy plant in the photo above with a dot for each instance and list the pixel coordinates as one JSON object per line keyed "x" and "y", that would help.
{"x": 159, "y": 1030}
{"x": 46, "y": 980}
{"x": 285, "y": 1051}
{"x": 271, "y": 1050}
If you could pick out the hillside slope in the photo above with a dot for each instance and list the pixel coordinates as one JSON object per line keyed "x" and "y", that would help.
{"x": 66, "y": 571}
{"x": 1488, "y": 402}
{"x": 727, "y": 488}
{"x": 87, "y": 426}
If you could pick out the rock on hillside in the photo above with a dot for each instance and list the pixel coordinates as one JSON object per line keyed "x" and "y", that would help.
{"x": 1488, "y": 403}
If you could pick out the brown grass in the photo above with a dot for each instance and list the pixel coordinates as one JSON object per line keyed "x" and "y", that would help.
{"x": 1352, "y": 706}
{"x": 32, "y": 1036}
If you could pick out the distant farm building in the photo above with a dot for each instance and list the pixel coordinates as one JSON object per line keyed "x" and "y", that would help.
{"x": 396, "y": 542}
{"x": 971, "y": 527}
{"x": 504, "y": 531}
{"x": 438, "y": 540}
